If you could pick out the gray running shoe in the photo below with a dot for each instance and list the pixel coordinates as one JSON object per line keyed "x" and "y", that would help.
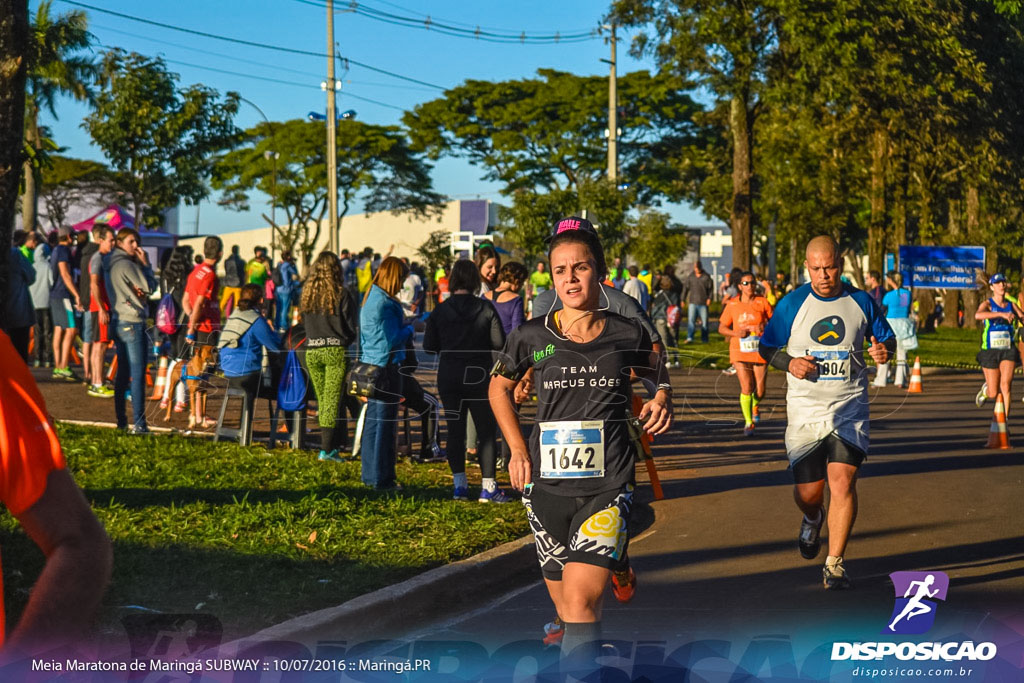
{"x": 810, "y": 536}
{"x": 835, "y": 576}
{"x": 979, "y": 400}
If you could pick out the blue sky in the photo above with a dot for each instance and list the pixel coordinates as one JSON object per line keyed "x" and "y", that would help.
{"x": 287, "y": 86}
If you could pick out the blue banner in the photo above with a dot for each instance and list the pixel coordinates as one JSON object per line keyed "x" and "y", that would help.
{"x": 941, "y": 267}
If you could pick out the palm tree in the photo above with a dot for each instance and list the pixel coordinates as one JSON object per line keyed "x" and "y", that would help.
{"x": 54, "y": 68}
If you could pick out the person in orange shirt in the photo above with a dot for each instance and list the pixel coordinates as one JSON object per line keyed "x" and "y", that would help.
{"x": 743, "y": 319}
{"x": 40, "y": 493}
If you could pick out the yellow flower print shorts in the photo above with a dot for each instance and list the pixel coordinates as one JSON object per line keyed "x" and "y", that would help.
{"x": 591, "y": 529}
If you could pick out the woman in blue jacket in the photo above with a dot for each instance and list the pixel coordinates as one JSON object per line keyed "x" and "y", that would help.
{"x": 242, "y": 340}
{"x": 382, "y": 337}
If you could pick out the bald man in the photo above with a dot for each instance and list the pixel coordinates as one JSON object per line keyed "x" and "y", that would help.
{"x": 824, "y": 325}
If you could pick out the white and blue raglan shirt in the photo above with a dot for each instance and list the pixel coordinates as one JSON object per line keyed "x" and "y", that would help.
{"x": 833, "y": 331}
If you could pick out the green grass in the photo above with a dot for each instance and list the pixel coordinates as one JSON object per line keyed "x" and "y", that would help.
{"x": 250, "y": 536}
{"x": 948, "y": 346}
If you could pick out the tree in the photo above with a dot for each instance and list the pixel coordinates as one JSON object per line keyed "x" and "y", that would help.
{"x": 548, "y": 133}
{"x": 13, "y": 70}
{"x": 652, "y": 241}
{"x": 54, "y": 68}
{"x": 727, "y": 47}
{"x": 160, "y": 139}
{"x": 897, "y": 77}
{"x": 436, "y": 250}
{"x": 543, "y": 139}
{"x": 528, "y": 222}
{"x": 288, "y": 162}
{"x": 67, "y": 181}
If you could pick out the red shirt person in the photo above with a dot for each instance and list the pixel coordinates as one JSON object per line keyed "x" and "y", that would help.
{"x": 200, "y": 300}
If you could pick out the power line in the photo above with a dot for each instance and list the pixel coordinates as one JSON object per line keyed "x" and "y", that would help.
{"x": 275, "y": 80}
{"x": 452, "y": 21}
{"x": 476, "y": 33}
{"x": 312, "y": 76}
{"x": 250, "y": 43}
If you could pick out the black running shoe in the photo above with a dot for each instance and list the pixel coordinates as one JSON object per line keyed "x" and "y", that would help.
{"x": 810, "y": 536}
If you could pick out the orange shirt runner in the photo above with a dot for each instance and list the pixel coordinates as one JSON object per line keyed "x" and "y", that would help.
{"x": 29, "y": 448}
{"x": 739, "y": 315}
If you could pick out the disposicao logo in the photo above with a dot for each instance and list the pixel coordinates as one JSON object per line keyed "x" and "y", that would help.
{"x": 916, "y": 592}
{"x": 829, "y": 331}
{"x": 914, "y": 613}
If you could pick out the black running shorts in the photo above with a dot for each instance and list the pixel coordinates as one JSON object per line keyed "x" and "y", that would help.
{"x": 991, "y": 358}
{"x": 591, "y": 529}
{"x": 814, "y": 465}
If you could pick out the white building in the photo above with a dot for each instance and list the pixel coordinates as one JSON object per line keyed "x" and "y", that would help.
{"x": 379, "y": 231}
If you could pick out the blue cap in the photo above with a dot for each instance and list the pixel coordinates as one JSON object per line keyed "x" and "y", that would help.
{"x": 998, "y": 277}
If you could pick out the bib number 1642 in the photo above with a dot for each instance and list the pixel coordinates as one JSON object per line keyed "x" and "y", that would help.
{"x": 572, "y": 449}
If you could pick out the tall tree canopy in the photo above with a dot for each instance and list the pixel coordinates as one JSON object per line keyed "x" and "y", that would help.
{"x": 544, "y": 140}
{"x": 288, "y": 163}
{"x": 67, "y": 181}
{"x": 59, "y": 63}
{"x": 161, "y": 139}
{"x": 727, "y": 48}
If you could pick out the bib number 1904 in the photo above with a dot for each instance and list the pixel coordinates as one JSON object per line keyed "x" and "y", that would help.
{"x": 833, "y": 364}
{"x": 832, "y": 368}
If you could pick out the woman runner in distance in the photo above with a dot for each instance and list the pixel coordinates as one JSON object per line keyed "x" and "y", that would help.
{"x": 998, "y": 355}
{"x": 743, "y": 320}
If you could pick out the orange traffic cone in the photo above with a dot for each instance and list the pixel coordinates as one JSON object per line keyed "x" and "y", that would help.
{"x": 161, "y": 380}
{"x": 998, "y": 436}
{"x": 73, "y": 357}
{"x": 149, "y": 377}
{"x": 915, "y": 378}
{"x": 112, "y": 373}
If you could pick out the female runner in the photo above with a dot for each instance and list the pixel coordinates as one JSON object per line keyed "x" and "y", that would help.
{"x": 743, "y": 320}
{"x": 577, "y": 473}
{"x": 998, "y": 356}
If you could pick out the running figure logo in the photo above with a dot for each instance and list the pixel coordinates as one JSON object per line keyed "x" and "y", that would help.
{"x": 914, "y": 612}
{"x": 829, "y": 331}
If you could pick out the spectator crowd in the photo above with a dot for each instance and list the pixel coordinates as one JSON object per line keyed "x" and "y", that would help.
{"x": 351, "y": 318}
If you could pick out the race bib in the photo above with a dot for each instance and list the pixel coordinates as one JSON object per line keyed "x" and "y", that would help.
{"x": 999, "y": 339}
{"x": 749, "y": 344}
{"x": 833, "y": 363}
{"x": 572, "y": 449}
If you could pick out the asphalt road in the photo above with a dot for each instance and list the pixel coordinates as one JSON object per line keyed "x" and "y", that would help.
{"x": 722, "y": 587}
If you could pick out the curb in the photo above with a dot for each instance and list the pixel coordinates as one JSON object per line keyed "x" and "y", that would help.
{"x": 112, "y": 425}
{"x": 455, "y": 586}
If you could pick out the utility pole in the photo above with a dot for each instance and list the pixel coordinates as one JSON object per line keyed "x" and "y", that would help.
{"x": 613, "y": 117}
{"x": 332, "y": 138}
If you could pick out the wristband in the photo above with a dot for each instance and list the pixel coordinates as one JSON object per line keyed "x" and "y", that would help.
{"x": 190, "y": 337}
{"x": 666, "y": 387}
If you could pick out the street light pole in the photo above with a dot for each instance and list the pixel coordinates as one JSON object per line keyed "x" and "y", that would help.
{"x": 268, "y": 155}
{"x": 332, "y": 140}
{"x": 613, "y": 117}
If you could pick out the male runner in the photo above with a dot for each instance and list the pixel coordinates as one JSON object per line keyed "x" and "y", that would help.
{"x": 823, "y": 326}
